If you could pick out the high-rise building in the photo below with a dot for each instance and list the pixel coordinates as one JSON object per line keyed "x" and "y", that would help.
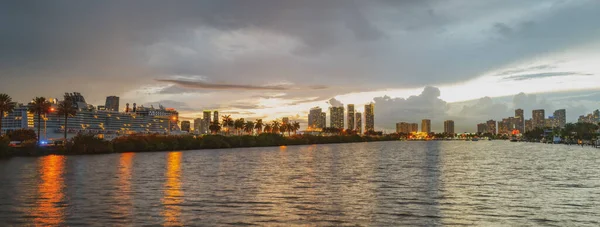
{"x": 336, "y": 117}
{"x": 185, "y": 126}
{"x": 323, "y": 120}
{"x": 403, "y": 127}
{"x": 426, "y": 125}
{"x": 358, "y": 122}
{"x": 560, "y": 118}
{"x": 112, "y": 103}
{"x": 216, "y": 116}
{"x": 491, "y": 127}
{"x": 520, "y": 120}
{"x": 370, "y": 117}
{"x": 528, "y": 125}
{"x": 449, "y": 127}
{"x": 414, "y": 127}
{"x": 316, "y": 119}
{"x": 507, "y": 125}
{"x": 539, "y": 118}
{"x": 207, "y": 121}
{"x": 481, "y": 128}
{"x": 350, "y": 117}
{"x": 198, "y": 125}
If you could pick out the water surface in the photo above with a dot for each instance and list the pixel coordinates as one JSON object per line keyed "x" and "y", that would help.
{"x": 366, "y": 184}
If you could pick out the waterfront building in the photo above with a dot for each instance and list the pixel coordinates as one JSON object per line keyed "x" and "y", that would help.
{"x": 491, "y": 127}
{"x": 207, "y": 121}
{"x": 185, "y": 126}
{"x": 414, "y": 127}
{"x": 19, "y": 118}
{"x": 350, "y": 124}
{"x": 112, "y": 103}
{"x": 358, "y": 122}
{"x": 449, "y": 127}
{"x": 198, "y": 125}
{"x": 550, "y": 122}
{"x": 216, "y": 116}
{"x": 336, "y": 117}
{"x": 528, "y": 125}
{"x": 520, "y": 120}
{"x": 403, "y": 127}
{"x": 370, "y": 117}
{"x": 316, "y": 119}
{"x": 507, "y": 125}
{"x": 560, "y": 117}
{"x": 481, "y": 128}
{"x": 539, "y": 118}
{"x": 426, "y": 125}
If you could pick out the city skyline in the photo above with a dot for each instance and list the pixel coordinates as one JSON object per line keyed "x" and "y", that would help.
{"x": 357, "y": 55}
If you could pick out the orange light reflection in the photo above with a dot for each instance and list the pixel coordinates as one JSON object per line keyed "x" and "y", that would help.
{"x": 50, "y": 191}
{"x": 172, "y": 190}
{"x": 124, "y": 186}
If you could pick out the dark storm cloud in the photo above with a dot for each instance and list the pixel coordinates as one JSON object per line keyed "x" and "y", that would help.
{"x": 545, "y": 75}
{"x": 205, "y": 85}
{"x": 89, "y": 45}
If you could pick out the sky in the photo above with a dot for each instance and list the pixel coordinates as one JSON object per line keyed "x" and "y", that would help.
{"x": 468, "y": 61}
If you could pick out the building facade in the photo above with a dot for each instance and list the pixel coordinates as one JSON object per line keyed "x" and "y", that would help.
{"x": 370, "y": 117}
{"x": 539, "y": 118}
{"x": 414, "y": 127}
{"x": 350, "y": 117}
{"x": 520, "y": 120}
{"x": 185, "y": 126}
{"x": 449, "y": 127}
{"x": 491, "y": 127}
{"x": 426, "y": 125}
{"x": 112, "y": 103}
{"x": 316, "y": 119}
{"x": 336, "y": 117}
{"x": 560, "y": 118}
{"x": 481, "y": 128}
{"x": 358, "y": 119}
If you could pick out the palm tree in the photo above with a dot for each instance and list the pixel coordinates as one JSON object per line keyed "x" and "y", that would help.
{"x": 6, "y": 106}
{"x": 214, "y": 127}
{"x": 238, "y": 124}
{"x": 296, "y": 127}
{"x": 227, "y": 122}
{"x": 39, "y": 106}
{"x": 259, "y": 126}
{"x": 268, "y": 128}
{"x": 283, "y": 128}
{"x": 249, "y": 127}
{"x": 275, "y": 126}
{"x": 67, "y": 109}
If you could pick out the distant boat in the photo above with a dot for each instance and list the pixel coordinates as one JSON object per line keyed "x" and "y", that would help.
{"x": 475, "y": 139}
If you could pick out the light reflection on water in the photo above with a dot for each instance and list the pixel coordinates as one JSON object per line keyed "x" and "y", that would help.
{"x": 386, "y": 183}
{"x": 50, "y": 210}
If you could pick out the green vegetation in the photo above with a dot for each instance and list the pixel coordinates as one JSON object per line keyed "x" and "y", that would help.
{"x": 89, "y": 144}
{"x": 571, "y": 131}
{"x": 6, "y": 106}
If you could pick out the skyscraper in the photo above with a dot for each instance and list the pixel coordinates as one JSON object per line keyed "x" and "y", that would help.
{"x": 336, "y": 119}
{"x": 414, "y": 127}
{"x": 403, "y": 127}
{"x": 449, "y": 127}
{"x": 216, "y": 116}
{"x": 185, "y": 126}
{"x": 316, "y": 118}
{"x": 350, "y": 117}
{"x": 198, "y": 125}
{"x": 491, "y": 127}
{"x": 323, "y": 120}
{"x": 528, "y": 125}
{"x": 520, "y": 120}
{"x": 358, "y": 122}
{"x": 207, "y": 120}
{"x": 112, "y": 103}
{"x": 481, "y": 128}
{"x": 370, "y": 117}
{"x": 539, "y": 118}
{"x": 426, "y": 125}
{"x": 560, "y": 118}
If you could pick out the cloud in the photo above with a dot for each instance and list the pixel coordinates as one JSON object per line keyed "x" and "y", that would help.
{"x": 545, "y": 75}
{"x": 335, "y": 103}
{"x": 205, "y": 85}
{"x": 427, "y": 105}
